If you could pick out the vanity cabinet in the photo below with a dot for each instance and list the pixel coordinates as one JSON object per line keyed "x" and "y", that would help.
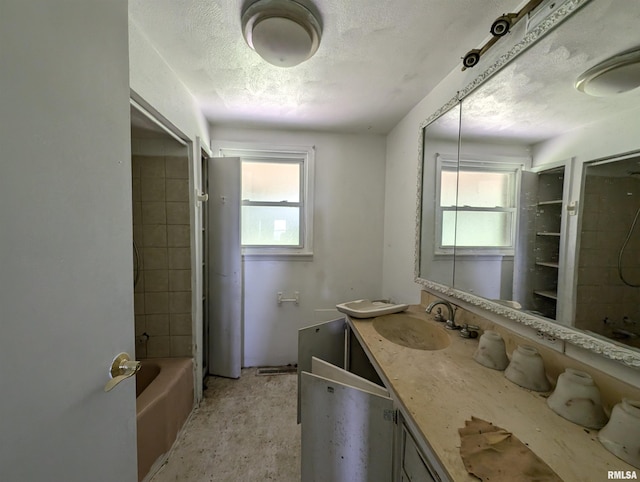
{"x": 352, "y": 430}
{"x": 348, "y": 422}
{"x": 548, "y": 240}
{"x": 347, "y": 427}
{"x": 413, "y": 467}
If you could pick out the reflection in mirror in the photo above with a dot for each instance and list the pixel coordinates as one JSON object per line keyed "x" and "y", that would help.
{"x": 437, "y": 220}
{"x": 525, "y": 218}
{"x": 489, "y": 176}
{"x": 531, "y": 108}
{"x": 608, "y": 291}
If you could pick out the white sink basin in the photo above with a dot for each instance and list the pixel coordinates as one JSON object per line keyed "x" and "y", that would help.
{"x": 369, "y": 309}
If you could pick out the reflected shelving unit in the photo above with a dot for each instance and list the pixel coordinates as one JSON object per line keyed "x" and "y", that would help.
{"x": 548, "y": 227}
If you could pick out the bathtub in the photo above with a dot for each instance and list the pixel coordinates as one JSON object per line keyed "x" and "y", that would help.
{"x": 164, "y": 400}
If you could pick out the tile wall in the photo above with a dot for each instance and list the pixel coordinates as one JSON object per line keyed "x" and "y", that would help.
{"x": 609, "y": 208}
{"x": 161, "y": 232}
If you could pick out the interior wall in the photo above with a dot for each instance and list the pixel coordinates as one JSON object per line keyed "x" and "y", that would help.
{"x": 612, "y": 135}
{"x": 401, "y": 181}
{"x": 348, "y": 227}
{"x": 153, "y": 82}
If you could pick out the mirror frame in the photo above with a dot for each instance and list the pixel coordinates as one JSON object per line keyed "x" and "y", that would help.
{"x": 594, "y": 344}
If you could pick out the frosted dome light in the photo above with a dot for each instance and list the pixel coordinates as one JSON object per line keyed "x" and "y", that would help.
{"x": 616, "y": 75}
{"x": 282, "y": 32}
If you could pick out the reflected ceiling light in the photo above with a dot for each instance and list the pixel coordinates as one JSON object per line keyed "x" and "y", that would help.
{"x": 613, "y": 76}
{"x": 283, "y": 32}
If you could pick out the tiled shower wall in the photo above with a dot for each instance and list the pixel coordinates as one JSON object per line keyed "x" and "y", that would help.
{"x": 161, "y": 232}
{"x": 609, "y": 208}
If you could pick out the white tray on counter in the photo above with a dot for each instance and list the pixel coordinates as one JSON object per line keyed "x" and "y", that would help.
{"x": 369, "y": 309}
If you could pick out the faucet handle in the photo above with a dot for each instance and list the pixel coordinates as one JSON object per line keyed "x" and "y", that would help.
{"x": 438, "y": 316}
{"x": 469, "y": 331}
{"x": 451, "y": 325}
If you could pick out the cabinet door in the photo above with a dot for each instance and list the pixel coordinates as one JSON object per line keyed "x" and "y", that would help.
{"x": 224, "y": 267}
{"x": 324, "y": 340}
{"x": 327, "y": 370}
{"x": 347, "y": 428}
{"x": 413, "y": 467}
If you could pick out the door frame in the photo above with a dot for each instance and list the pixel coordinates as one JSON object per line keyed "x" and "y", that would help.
{"x": 194, "y": 149}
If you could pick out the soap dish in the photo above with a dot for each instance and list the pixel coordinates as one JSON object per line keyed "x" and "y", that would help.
{"x": 369, "y": 309}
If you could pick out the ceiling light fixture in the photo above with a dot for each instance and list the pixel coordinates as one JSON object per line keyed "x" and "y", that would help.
{"x": 282, "y": 32}
{"x": 616, "y": 75}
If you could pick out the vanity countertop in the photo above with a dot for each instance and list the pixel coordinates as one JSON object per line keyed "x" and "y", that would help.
{"x": 441, "y": 389}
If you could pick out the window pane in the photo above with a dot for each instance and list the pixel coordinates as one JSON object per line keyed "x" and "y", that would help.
{"x": 270, "y": 181}
{"x": 448, "y": 228}
{"x": 448, "y": 186}
{"x": 271, "y": 226}
{"x": 484, "y": 189}
{"x": 485, "y": 229}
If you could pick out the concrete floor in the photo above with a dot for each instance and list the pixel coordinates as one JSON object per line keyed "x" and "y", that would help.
{"x": 244, "y": 430}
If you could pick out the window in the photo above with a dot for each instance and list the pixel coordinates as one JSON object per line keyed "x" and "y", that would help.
{"x": 277, "y": 211}
{"x": 272, "y": 204}
{"x": 477, "y": 209}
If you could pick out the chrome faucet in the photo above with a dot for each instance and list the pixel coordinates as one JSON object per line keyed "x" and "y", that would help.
{"x": 450, "y": 316}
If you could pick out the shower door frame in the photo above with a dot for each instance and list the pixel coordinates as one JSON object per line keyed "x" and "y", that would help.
{"x": 194, "y": 148}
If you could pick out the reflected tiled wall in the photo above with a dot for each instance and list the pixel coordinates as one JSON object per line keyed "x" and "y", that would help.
{"x": 162, "y": 233}
{"x": 609, "y": 208}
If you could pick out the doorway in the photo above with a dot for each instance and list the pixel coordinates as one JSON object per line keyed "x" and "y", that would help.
{"x": 161, "y": 241}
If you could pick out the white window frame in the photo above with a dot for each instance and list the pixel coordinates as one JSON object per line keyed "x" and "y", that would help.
{"x": 512, "y": 166}
{"x": 305, "y": 156}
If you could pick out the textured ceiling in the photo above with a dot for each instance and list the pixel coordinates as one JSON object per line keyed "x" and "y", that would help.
{"x": 377, "y": 59}
{"x": 533, "y": 98}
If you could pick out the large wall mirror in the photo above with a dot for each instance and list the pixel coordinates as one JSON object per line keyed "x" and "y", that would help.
{"x": 440, "y": 143}
{"x": 543, "y": 225}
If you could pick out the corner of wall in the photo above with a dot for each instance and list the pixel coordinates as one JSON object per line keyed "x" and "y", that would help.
{"x": 152, "y": 79}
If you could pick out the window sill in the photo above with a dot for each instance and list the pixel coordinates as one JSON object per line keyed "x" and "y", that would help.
{"x": 472, "y": 255}
{"x": 273, "y": 255}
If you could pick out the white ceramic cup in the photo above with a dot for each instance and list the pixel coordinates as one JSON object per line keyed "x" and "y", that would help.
{"x": 527, "y": 369}
{"x": 577, "y": 398}
{"x": 621, "y": 436}
{"x": 491, "y": 351}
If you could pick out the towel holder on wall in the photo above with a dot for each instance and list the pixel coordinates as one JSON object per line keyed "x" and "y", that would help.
{"x": 295, "y": 299}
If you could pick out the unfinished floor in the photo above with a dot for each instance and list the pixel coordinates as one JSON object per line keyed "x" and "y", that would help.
{"x": 244, "y": 430}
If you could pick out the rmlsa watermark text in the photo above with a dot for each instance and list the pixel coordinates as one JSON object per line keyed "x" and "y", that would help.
{"x": 622, "y": 475}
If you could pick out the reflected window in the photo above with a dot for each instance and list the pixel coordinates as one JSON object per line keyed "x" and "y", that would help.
{"x": 477, "y": 208}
